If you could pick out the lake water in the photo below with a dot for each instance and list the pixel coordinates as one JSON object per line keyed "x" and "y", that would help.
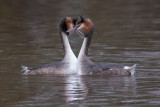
{"x": 126, "y": 32}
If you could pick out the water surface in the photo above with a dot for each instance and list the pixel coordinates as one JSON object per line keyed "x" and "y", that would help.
{"x": 126, "y": 32}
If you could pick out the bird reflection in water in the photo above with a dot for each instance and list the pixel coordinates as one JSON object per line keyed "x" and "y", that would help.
{"x": 75, "y": 89}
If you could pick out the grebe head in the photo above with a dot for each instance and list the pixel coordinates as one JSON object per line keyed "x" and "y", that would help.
{"x": 84, "y": 27}
{"x": 66, "y": 24}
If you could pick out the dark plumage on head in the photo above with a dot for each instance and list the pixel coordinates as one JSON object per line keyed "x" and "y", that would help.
{"x": 66, "y": 24}
{"x": 82, "y": 19}
{"x": 84, "y": 27}
{"x": 75, "y": 20}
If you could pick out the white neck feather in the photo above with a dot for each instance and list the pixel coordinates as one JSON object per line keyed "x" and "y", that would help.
{"x": 82, "y": 51}
{"x": 69, "y": 57}
{"x": 68, "y": 51}
{"x": 80, "y": 56}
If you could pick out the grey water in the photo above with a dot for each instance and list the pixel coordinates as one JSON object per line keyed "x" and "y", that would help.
{"x": 126, "y": 32}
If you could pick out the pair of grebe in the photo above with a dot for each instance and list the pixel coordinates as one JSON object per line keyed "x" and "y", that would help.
{"x": 84, "y": 28}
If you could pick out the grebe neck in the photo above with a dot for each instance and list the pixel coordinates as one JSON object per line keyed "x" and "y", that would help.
{"x": 84, "y": 48}
{"x": 69, "y": 55}
{"x": 83, "y": 59}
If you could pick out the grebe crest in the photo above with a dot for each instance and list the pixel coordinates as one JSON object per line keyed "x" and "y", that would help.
{"x": 84, "y": 27}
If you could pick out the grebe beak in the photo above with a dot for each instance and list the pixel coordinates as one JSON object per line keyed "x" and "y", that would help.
{"x": 77, "y": 31}
{"x": 80, "y": 33}
{"x": 70, "y": 30}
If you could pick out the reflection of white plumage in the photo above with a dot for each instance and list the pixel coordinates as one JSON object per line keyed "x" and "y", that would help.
{"x": 75, "y": 89}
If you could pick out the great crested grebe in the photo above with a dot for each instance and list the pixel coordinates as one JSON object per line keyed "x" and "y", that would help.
{"x": 85, "y": 66}
{"x": 66, "y": 66}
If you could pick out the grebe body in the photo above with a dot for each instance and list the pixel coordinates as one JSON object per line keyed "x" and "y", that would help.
{"x": 85, "y": 66}
{"x": 66, "y": 65}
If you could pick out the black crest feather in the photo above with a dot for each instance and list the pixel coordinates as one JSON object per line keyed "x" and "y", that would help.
{"x": 62, "y": 25}
{"x": 74, "y": 21}
{"x": 82, "y": 19}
